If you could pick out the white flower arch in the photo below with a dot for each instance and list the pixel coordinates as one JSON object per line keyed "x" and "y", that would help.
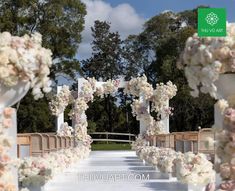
{"x": 138, "y": 87}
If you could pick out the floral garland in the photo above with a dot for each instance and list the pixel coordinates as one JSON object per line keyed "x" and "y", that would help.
{"x": 58, "y": 104}
{"x": 6, "y": 178}
{"x": 36, "y": 171}
{"x": 225, "y": 144}
{"x": 24, "y": 59}
{"x": 204, "y": 59}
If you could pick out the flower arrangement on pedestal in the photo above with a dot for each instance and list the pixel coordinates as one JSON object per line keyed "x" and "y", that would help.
{"x": 188, "y": 167}
{"x": 204, "y": 59}
{"x": 194, "y": 169}
{"x": 24, "y": 59}
{"x": 36, "y": 171}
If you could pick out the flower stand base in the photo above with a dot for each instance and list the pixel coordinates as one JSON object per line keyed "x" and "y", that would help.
{"x": 191, "y": 187}
{"x": 169, "y": 177}
{"x": 36, "y": 188}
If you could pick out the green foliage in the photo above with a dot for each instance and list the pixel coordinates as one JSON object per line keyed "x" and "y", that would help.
{"x": 61, "y": 23}
{"x": 167, "y": 34}
{"x": 105, "y": 62}
{"x": 110, "y": 146}
{"x": 35, "y": 116}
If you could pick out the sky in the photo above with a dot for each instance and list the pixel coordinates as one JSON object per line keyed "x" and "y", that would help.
{"x": 128, "y": 16}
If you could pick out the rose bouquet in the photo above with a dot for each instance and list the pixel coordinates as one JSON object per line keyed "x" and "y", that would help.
{"x": 24, "y": 59}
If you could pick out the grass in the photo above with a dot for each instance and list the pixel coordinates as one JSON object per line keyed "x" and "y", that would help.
{"x": 110, "y": 146}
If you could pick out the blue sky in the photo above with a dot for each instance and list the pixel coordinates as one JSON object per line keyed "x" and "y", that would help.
{"x": 128, "y": 16}
{"x": 149, "y": 8}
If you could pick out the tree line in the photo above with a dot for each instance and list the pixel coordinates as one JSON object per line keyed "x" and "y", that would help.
{"x": 153, "y": 52}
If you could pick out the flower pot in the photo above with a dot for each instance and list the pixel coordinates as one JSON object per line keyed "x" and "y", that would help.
{"x": 11, "y": 95}
{"x": 225, "y": 86}
{"x": 192, "y": 187}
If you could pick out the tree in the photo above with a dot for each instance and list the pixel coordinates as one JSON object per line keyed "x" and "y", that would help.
{"x": 164, "y": 37}
{"x": 60, "y": 23}
{"x": 105, "y": 62}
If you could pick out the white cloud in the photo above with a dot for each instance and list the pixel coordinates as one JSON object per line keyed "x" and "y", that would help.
{"x": 123, "y": 18}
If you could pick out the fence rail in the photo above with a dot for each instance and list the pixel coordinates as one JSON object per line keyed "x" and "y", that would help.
{"x": 131, "y": 137}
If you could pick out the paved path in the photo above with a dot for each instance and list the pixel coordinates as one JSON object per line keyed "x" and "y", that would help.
{"x": 112, "y": 171}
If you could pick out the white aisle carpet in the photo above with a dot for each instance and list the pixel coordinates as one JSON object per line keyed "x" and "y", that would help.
{"x": 112, "y": 171}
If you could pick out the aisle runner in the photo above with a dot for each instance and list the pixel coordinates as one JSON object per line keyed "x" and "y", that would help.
{"x": 112, "y": 171}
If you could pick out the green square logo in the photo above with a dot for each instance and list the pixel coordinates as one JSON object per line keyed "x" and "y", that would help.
{"x": 211, "y": 22}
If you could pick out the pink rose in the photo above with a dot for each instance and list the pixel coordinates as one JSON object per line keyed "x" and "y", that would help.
{"x": 8, "y": 112}
{"x": 228, "y": 186}
{"x": 7, "y": 123}
{"x": 225, "y": 170}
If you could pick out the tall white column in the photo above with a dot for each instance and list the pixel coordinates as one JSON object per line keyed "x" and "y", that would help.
{"x": 60, "y": 117}
{"x": 166, "y": 121}
{"x": 143, "y": 125}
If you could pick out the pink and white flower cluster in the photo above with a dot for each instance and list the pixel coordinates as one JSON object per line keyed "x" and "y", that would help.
{"x": 194, "y": 169}
{"x": 204, "y": 59}
{"x": 60, "y": 101}
{"x": 189, "y": 168}
{"x": 36, "y": 171}
{"x": 139, "y": 142}
{"x": 226, "y": 146}
{"x": 24, "y": 59}
{"x": 155, "y": 127}
{"x": 139, "y": 86}
{"x": 65, "y": 130}
{"x": 161, "y": 95}
{"x": 6, "y": 177}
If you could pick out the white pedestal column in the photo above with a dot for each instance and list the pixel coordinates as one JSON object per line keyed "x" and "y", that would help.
{"x": 143, "y": 125}
{"x": 166, "y": 121}
{"x": 60, "y": 118}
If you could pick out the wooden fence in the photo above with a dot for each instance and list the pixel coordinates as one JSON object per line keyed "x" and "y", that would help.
{"x": 107, "y": 135}
{"x": 38, "y": 144}
{"x": 194, "y": 141}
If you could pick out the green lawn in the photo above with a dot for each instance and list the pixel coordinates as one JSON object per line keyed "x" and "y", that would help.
{"x": 110, "y": 146}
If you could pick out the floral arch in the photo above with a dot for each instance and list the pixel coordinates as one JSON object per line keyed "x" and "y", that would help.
{"x": 142, "y": 91}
